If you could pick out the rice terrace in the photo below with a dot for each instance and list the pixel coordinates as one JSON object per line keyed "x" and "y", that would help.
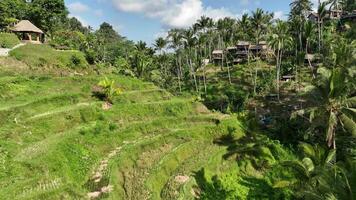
{"x": 178, "y": 99}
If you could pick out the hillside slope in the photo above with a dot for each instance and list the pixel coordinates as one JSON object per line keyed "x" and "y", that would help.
{"x": 58, "y": 143}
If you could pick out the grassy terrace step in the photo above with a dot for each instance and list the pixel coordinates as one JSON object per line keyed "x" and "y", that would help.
{"x": 134, "y": 130}
{"x": 54, "y": 136}
{"x": 163, "y": 180}
{"x": 29, "y": 109}
{"x": 19, "y": 87}
{"x": 129, "y": 161}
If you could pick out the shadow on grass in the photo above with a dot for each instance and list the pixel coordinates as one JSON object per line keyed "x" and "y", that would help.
{"x": 210, "y": 190}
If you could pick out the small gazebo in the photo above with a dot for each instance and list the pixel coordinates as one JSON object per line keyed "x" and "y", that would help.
{"x": 30, "y": 33}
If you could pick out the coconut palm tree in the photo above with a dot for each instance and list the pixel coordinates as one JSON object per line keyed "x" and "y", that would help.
{"x": 160, "y": 44}
{"x": 257, "y": 21}
{"x": 321, "y": 16}
{"x": 190, "y": 41}
{"x": 299, "y": 11}
{"x": 309, "y": 32}
{"x": 176, "y": 43}
{"x": 245, "y": 27}
{"x": 280, "y": 40}
{"x": 335, "y": 110}
{"x": 319, "y": 176}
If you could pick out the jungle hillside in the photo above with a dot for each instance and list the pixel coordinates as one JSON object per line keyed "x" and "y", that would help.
{"x": 247, "y": 108}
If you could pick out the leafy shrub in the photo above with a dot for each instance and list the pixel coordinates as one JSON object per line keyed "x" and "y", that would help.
{"x": 66, "y": 40}
{"x": 8, "y": 40}
{"x": 75, "y": 60}
{"x": 106, "y": 90}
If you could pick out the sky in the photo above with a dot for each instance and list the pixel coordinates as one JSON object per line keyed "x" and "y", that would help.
{"x": 148, "y": 19}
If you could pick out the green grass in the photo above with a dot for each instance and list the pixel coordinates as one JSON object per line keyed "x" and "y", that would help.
{"x": 43, "y": 56}
{"x": 54, "y": 135}
{"x": 8, "y": 40}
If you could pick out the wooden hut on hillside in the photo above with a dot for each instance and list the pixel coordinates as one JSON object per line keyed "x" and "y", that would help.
{"x": 29, "y": 32}
{"x": 218, "y": 57}
{"x": 243, "y": 48}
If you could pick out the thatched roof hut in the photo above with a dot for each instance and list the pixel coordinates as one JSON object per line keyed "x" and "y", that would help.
{"x": 27, "y": 29}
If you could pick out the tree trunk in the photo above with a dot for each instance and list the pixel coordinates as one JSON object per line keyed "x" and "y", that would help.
{"x": 277, "y": 69}
{"x": 228, "y": 72}
{"x": 309, "y": 62}
{"x": 204, "y": 78}
{"x": 178, "y": 74}
{"x": 255, "y": 82}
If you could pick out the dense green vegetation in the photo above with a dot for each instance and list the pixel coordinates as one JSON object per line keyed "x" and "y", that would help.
{"x": 91, "y": 114}
{"x": 44, "y": 56}
{"x": 8, "y": 40}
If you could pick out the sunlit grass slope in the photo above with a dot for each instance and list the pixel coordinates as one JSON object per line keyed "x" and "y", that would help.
{"x": 56, "y": 141}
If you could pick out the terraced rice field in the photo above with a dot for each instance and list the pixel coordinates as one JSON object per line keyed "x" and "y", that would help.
{"x": 56, "y": 141}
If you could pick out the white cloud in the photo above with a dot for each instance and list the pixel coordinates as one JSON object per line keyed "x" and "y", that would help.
{"x": 78, "y": 7}
{"x": 172, "y": 13}
{"x": 279, "y": 15}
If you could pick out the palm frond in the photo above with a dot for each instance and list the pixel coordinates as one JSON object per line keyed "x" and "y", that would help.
{"x": 348, "y": 124}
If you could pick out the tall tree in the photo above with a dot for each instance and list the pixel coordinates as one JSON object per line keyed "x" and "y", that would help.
{"x": 47, "y": 14}
{"x": 189, "y": 43}
{"x": 176, "y": 43}
{"x": 335, "y": 108}
{"x": 280, "y": 40}
{"x": 299, "y": 11}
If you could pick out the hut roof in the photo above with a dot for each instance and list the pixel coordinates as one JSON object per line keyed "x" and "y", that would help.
{"x": 243, "y": 43}
{"x": 218, "y": 52}
{"x": 26, "y": 26}
{"x": 262, "y": 43}
{"x": 231, "y": 48}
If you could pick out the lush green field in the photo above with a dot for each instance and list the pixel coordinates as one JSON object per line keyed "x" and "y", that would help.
{"x": 54, "y": 136}
{"x": 43, "y": 56}
{"x": 58, "y": 143}
{"x": 8, "y": 40}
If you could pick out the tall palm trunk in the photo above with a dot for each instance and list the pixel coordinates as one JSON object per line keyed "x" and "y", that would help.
{"x": 193, "y": 72}
{"x": 204, "y": 78}
{"x": 309, "y": 62}
{"x": 178, "y": 74}
{"x": 278, "y": 70}
{"x": 228, "y": 72}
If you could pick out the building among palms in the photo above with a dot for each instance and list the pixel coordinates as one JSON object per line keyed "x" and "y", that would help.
{"x": 330, "y": 15}
{"x": 218, "y": 57}
{"x": 241, "y": 52}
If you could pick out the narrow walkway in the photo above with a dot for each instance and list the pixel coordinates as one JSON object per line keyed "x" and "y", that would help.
{"x": 5, "y": 51}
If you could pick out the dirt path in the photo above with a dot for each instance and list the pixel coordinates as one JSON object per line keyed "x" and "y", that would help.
{"x": 5, "y": 51}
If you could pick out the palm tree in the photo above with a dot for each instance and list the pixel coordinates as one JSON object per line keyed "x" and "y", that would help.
{"x": 257, "y": 22}
{"x": 245, "y": 26}
{"x": 280, "y": 40}
{"x": 176, "y": 43}
{"x": 308, "y": 34}
{"x": 141, "y": 46}
{"x": 189, "y": 43}
{"x": 160, "y": 44}
{"x": 299, "y": 11}
{"x": 318, "y": 176}
{"x": 321, "y": 17}
{"x": 335, "y": 109}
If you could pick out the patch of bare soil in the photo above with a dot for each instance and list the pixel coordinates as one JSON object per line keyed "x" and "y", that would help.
{"x": 181, "y": 179}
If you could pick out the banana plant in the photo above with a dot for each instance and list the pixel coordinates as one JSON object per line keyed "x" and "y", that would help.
{"x": 109, "y": 89}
